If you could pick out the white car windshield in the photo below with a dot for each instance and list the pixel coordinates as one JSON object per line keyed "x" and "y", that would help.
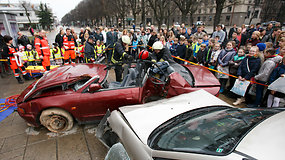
{"x": 211, "y": 130}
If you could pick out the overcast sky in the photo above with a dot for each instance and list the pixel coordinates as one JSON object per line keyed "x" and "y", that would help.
{"x": 59, "y": 7}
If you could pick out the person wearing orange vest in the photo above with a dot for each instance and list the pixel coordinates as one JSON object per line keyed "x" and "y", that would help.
{"x": 14, "y": 60}
{"x": 42, "y": 47}
{"x": 69, "y": 44}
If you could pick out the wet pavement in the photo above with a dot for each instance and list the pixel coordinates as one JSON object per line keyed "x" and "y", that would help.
{"x": 21, "y": 142}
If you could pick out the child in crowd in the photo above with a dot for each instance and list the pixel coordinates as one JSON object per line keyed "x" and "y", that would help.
{"x": 181, "y": 50}
{"x": 234, "y": 64}
{"x": 189, "y": 51}
{"x": 207, "y": 55}
{"x": 200, "y": 55}
{"x": 56, "y": 54}
{"x": 248, "y": 68}
{"x": 274, "y": 97}
{"x": 32, "y": 55}
{"x": 224, "y": 58}
{"x": 174, "y": 47}
{"x": 214, "y": 55}
{"x": 247, "y": 48}
{"x": 22, "y": 55}
{"x": 197, "y": 48}
{"x": 205, "y": 40}
{"x": 135, "y": 47}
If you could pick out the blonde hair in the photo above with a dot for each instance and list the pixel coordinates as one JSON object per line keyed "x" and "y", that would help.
{"x": 257, "y": 33}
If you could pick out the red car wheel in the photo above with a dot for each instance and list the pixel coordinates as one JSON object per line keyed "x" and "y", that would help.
{"x": 56, "y": 120}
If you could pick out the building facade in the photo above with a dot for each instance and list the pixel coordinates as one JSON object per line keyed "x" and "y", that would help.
{"x": 22, "y": 17}
{"x": 234, "y": 12}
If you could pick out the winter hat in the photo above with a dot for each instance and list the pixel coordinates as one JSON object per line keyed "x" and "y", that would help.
{"x": 261, "y": 46}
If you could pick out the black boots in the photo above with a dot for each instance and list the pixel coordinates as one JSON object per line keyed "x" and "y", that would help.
{"x": 20, "y": 81}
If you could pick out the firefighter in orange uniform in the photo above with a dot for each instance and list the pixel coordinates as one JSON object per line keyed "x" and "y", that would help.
{"x": 42, "y": 47}
{"x": 69, "y": 44}
{"x": 14, "y": 59}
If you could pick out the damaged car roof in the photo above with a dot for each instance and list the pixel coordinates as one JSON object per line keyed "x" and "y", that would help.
{"x": 70, "y": 72}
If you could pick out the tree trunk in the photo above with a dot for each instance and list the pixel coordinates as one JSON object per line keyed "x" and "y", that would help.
{"x": 143, "y": 13}
{"x": 191, "y": 19}
{"x": 183, "y": 20}
{"x": 219, "y": 9}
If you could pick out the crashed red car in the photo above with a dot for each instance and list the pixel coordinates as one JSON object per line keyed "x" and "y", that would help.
{"x": 83, "y": 93}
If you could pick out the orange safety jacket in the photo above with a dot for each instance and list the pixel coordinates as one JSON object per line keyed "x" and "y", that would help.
{"x": 69, "y": 42}
{"x": 42, "y": 47}
{"x": 12, "y": 50}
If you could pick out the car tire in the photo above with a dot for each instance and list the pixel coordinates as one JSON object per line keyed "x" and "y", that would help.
{"x": 56, "y": 120}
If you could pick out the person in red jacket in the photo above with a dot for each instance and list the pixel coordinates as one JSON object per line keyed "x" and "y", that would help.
{"x": 10, "y": 52}
{"x": 42, "y": 47}
{"x": 69, "y": 44}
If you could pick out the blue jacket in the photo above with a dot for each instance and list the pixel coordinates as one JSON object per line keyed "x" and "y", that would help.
{"x": 276, "y": 73}
{"x": 225, "y": 56}
{"x": 254, "y": 65}
{"x": 173, "y": 49}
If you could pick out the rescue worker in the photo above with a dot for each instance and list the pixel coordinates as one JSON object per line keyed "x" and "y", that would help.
{"x": 160, "y": 53}
{"x": 89, "y": 50}
{"x": 14, "y": 60}
{"x": 42, "y": 47}
{"x": 69, "y": 44}
{"x": 119, "y": 52}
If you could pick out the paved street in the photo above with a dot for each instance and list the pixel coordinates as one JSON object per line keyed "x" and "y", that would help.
{"x": 18, "y": 141}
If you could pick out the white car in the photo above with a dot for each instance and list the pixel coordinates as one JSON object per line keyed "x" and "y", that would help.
{"x": 195, "y": 125}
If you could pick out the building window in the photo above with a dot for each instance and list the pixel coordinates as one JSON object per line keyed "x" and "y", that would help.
{"x": 229, "y": 8}
{"x": 28, "y": 14}
{"x": 248, "y": 14}
{"x": 228, "y": 18}
{"x": 204, "y": 18}
{"x": 255, "y": 14}
{"x": 211, "y": 10}
{"x": 198, "y": 18}
{"x": 249, "y": 1}
{"x": 21, "y": 14}
{"x": 205, "y": 10}
{"x": 199, "y": 11}
{"x": 210, "y": 18}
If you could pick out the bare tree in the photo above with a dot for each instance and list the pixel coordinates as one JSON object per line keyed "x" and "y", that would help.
{"x": 186, "y": 6}
{"x": 135, "y": 8}
{"x": 272, "y": 10}
{"x": 26, "y": 5}
{"x": 220, "y": 5}
{"x": 159, "y": 8}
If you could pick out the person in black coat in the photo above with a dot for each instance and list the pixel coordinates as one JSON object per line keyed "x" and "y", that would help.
{"x": 59, "y": 38}
{"x": 232, "y": 30}
{"x": 22, "y": 40}
{"x": 151, "y": 41}
{"x": 90, "y": 55}
{"x": 112, "y": 38}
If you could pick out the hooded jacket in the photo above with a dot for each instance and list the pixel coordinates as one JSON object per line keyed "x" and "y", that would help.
{"x": 277, "y": 72}
{"x": 267, "y": 68}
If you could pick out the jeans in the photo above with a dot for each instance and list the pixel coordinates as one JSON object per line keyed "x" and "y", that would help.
{"x": 259, "y": 93}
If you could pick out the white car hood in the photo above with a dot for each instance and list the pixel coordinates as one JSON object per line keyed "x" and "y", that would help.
{"x": 145, "y": 118}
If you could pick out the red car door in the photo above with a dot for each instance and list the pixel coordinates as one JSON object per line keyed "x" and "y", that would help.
{"x": 94, "y": 105}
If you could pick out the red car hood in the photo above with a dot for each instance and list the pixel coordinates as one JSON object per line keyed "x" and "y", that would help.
{"x": 202, "y": 76}
{"x": 64, "y": 74}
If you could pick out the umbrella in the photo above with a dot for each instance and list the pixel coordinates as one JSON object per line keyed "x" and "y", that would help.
{"x": 278, "y": 85}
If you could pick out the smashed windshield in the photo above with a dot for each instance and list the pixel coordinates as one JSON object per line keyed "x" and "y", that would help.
{"x": 211, "y": 130}
{"x": 184, "y": 72}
